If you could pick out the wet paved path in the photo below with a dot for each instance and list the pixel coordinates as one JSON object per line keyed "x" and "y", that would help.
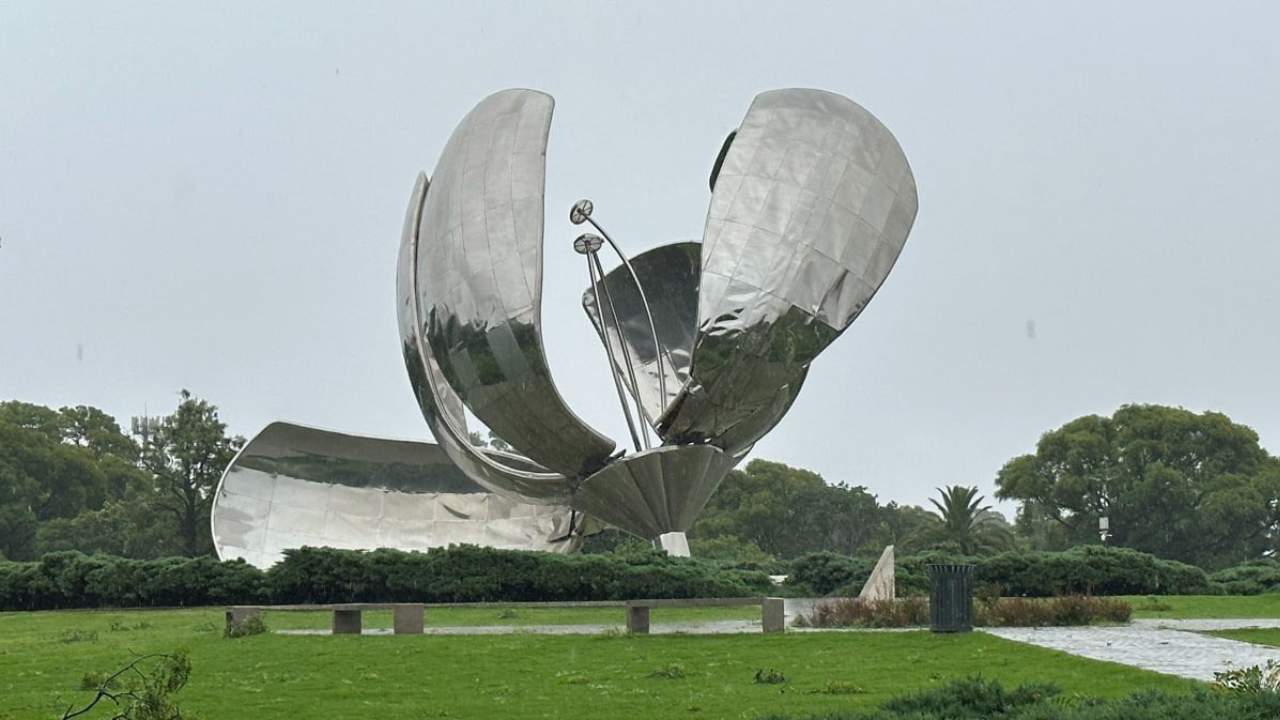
{"x": 1172, "y": 647}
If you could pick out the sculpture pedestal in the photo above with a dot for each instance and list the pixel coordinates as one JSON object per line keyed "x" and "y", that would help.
{"x": 675, "y": 543}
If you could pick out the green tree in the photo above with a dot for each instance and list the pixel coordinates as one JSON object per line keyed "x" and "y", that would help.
{"x": 187, "y": 456}
{"x": 93, "y": 429}
{"x": 46, "y": 421}
{"x": 1191, "y": 487}
{"x": 41, "y": 478}
{"x": 963, "y": 521}
{"x": 132, "y": 528}
{"x": 905, "y": 527}
{"x": 786, "y": 512}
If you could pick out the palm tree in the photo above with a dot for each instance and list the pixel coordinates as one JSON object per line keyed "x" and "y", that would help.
{"x": 962, "y": 519}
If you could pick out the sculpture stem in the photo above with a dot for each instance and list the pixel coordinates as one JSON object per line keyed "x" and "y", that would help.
{"x": 644, "y": 302}
{"x": 596, "y": 283}
{"x": 622, "y": 346}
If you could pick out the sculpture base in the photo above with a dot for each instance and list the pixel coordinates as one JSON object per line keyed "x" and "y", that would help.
{"x": 675, "y": 543}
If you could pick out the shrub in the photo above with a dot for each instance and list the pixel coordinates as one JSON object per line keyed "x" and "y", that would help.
{"x": 75, "y": 580}
{"x": 472, "y": 574}
{"x": 1083, "y": 570}
{"x": 1089, "y": 570}
{"x": 1249, "y": 578}
{"x": 324, "y": 575}
{"x": 1252, "y": 679}
{"x": 971, "y": 697}
{"x": 912, "y": 572}
{"x": 1062, "y": 611}
{"x": 998, "y": 612}
{"x": 252, "y": 625}
{"x": 822, "y": 573}
{"x": 855, "y": 612}
{"x": 1013, "y": 612}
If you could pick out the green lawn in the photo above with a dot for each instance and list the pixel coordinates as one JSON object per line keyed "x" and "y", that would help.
{"x": 43, "y": 657}
{"x": 1258, "y": 636}
{"x": 1205, "y": 606}
{"x": 514, "y": 616}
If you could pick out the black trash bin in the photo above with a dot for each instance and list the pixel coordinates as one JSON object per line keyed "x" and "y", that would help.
{"x": 950, "y": 598}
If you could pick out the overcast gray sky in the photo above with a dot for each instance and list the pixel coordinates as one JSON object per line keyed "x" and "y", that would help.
{"x": 209, "y": 196}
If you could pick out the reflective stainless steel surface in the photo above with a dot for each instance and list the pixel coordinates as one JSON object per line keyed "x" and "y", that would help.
{"x": 810, "y": 210}
{"x": 479, "y": 265}
{"x": 635, "y": 427}
{"x": 655, "y": 491}
{"x": 441, "y": 407}
{"x": 669, "y": 274}
{"x": 812, "y": 201}
{"x": 292, "y": 486}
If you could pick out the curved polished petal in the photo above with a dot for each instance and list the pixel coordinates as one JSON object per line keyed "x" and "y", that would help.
{"x": 517, "y": 478}
{"x": 479, "y": 265}
{"x": 669, "y": 275}
{"x": 293, "y": 486}
{"x": 655, "y": 491}
{"x": 810, "y": 210}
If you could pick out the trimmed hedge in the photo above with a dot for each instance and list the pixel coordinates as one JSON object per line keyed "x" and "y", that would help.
{"x": 324, "y": 575}
{"x": 1086, "y": 569}
{"x": 1091, "y": 570}
{"x": 821, "y": 573}
{"x": 1249, "y": 578}
{"x": 72, "y": 579}
{"x": 472, "y": 574}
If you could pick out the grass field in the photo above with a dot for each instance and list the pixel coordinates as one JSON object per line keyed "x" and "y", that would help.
{"x": 1205, "y": 606}
{"x": 516, "y": 616}
{"x": 1257, "y": 636}
{"x": 43, "y": 657}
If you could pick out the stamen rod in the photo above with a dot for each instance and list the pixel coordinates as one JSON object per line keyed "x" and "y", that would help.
{"x": 613, "y": 370}
{"x": 622, "y": 345}
{"x": 644, "y": 301}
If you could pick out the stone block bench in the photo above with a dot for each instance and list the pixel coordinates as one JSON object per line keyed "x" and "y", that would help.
{"x": 347, "y": 617}
{"x": 408, "y": 617}
{"x": 772, "y": 612}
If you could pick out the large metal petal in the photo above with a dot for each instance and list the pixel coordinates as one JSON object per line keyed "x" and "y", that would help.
{"x": 517, "y": 478}
{"x": 810, "y": 210}
{"x": 292, "y": 486}
{"x": 479, "y": 267}
{"x": 669, "y": 275}
{"x": 655, "y": 491}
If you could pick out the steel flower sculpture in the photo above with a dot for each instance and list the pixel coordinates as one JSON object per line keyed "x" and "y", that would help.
{"x": 708, "y": 342}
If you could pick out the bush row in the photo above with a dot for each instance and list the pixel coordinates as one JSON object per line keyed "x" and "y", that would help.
{"x": 1249, "y": 578}
{"x": 995, "y": 612}
{"x": 1087, "y": 569}
{"x": 324, "y": 575}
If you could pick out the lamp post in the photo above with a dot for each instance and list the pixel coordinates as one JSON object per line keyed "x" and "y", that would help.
{"x": 1104, "y": 528}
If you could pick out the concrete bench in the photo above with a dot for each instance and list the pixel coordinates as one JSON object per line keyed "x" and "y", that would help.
{"x": 772, "y": 612}
{"x": 347, "y": 617}
{"x": 408, "y": 617}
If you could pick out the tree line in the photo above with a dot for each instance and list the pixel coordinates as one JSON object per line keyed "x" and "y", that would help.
{"x": 71, "y": 479}
{"x": 1196, "y": 488}
{"x": 1191, "y": 487}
